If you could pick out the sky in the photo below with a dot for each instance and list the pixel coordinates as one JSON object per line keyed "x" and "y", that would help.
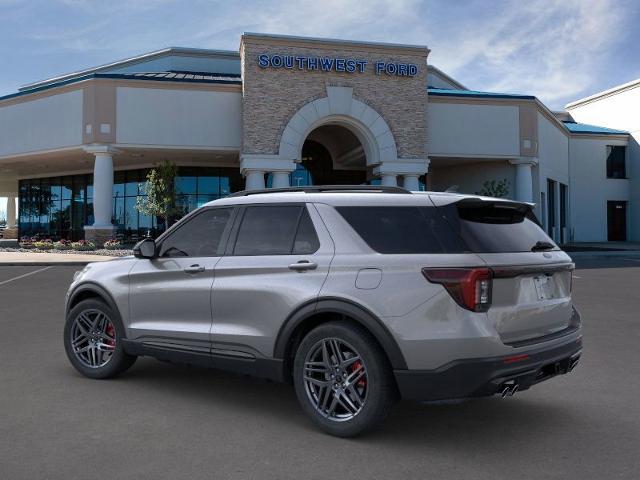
{"x": 558, "y": 50}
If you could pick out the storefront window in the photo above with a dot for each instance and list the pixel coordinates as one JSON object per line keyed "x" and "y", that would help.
{"x": 60, "y": 207}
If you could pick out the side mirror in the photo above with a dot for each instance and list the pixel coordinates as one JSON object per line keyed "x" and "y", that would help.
{"x": 145, "y": 248}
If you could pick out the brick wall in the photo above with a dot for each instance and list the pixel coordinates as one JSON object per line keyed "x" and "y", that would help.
{"x": 271, "y": 96}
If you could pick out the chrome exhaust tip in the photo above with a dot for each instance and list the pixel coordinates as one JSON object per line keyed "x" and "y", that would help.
{"x": 508, "y": 390}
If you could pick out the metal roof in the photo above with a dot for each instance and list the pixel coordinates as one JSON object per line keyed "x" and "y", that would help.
{"x": 575, "y": 127}
{"x": 186, "y": 77}
{"x": 445, "y": 92}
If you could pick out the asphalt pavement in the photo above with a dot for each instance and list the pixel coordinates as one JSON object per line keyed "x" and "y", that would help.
{"x": 166, "y": 421}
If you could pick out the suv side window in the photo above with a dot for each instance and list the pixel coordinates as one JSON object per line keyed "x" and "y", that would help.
{"x": 198, "y": 237}
{"x": 276, "y": 230}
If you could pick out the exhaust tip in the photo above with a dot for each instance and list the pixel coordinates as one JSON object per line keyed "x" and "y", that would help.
{"x": 508, "y": 389}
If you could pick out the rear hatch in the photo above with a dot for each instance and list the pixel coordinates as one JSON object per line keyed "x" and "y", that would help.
{"x": 531, "y": 287}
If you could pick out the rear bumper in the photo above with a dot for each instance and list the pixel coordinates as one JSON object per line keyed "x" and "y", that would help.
{"x": 487, "y": 376}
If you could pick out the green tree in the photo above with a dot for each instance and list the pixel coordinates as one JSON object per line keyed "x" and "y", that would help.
{"x": 491, "y": 188}
{"x": 160, "y": 199}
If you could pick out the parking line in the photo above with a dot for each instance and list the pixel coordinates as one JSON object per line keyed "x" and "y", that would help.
{"x": 25, "y": 275}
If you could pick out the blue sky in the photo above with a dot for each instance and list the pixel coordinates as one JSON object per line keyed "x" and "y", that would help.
{"x": 557, "y": 50}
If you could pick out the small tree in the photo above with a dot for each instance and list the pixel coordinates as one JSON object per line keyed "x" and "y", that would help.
{"x": 160, "y": 200}
{"x": 491, "y": 188}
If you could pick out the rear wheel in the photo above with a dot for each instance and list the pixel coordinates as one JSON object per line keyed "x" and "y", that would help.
{"x": 343, "y": 379}
{"x": 93, "y": 336}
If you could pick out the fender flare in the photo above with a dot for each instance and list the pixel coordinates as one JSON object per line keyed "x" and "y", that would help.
{"x": 95, "y": 289}
{"x": 346, "y": 308}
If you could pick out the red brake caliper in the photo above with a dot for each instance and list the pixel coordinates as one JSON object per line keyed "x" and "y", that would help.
{"x": 355, "y": 367}
{"x": 112, "y": 333}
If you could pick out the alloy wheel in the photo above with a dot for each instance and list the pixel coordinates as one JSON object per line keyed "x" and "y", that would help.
{"x": 335, "y": 379}
{"x": 93, "y": 338}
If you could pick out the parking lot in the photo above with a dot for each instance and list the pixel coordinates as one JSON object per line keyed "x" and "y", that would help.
{"x": 166, "y": 421}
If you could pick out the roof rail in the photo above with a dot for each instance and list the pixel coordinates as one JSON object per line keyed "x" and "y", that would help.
{"x": 325, "y": 188}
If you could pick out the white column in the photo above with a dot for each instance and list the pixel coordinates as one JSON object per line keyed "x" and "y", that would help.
{"x": 389, "y": 180}
{"x": 11, "y": 212}
{"x": 254, "y": 180}
{"x": 103, "y": 190}
{"x": 411, "y": 182}
{"x": 280, "y": 179}
{"x": 524, "y": 179}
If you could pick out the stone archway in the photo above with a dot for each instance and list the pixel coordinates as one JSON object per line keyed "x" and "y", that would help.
{"x": 340, "y": 108}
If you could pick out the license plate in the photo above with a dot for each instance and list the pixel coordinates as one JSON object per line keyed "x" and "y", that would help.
{"x": 544, "y": 287}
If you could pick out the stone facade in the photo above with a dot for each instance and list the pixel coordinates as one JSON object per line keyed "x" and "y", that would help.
{"x": 272, "y": 96}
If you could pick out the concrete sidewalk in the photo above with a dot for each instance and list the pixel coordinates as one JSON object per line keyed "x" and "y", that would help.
{"x": 36, "y": 259}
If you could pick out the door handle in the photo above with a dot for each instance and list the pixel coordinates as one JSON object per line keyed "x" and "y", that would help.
{"x": 194, "y": 269}
{"x": 303, "y": 265}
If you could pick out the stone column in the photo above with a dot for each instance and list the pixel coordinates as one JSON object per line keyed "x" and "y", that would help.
{"x": 280, "y": 179}
{"x": 389, "y": 179}
{"x": 11, "y": 232}
{"x": 102, "y": 228}
{"x": 254, "y": 166}
{"x": 11, "y": 212}
{"x": 411, "y": 182}
{"x": 524, "y": 178}
{"x": 409, "y": 169}
{"x": 254, "y": 180}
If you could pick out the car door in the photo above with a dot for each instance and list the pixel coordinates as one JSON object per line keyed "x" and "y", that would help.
{"x": 170, "y": 295}
{"x": 277, "y": 259}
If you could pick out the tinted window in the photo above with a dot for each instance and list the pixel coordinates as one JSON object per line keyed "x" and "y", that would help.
{"x": 496, "y": 227}
{"x": 306, "y": 241}
{"x": 199, "y": 237}
{"x": 268, "y": 230}
{"x": 403, "y": 229}
{"x": 616, "y": 167}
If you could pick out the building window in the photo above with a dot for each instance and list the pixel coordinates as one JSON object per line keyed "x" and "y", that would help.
{"x": 60, "y": 207}
{"x": 616, "y": 161}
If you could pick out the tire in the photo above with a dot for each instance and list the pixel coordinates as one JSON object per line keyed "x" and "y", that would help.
{"x": 97, "y": 353}
{"x": 361, "y": 392}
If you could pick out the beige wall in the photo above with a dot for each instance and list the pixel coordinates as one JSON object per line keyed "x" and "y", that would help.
{"x": 45, "y": 123}
{"x": 179, "y": 117}
{"x": 272, "y": 96}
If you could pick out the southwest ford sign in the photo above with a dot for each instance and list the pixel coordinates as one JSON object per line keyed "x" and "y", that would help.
{"x": 334, "y": 64}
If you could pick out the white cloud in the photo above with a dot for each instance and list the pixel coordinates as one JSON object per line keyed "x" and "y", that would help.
{"x": 553, "y": 49}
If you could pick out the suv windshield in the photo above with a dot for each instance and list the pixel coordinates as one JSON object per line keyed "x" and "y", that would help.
{"x": 471, "y": 225}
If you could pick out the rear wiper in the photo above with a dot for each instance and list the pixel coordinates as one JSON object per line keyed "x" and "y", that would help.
{"x": 542, "y": 246}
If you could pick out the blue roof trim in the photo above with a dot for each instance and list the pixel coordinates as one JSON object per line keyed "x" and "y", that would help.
{"x": 226, "y": 79}
{"x": 445, "y": 92}
{"x": 575, "y": 127}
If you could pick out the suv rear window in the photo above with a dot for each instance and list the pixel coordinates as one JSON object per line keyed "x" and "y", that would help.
{"x": 497, "y": 227}
{"x": 475, "y": 226}
{"x": 403, "y": 229}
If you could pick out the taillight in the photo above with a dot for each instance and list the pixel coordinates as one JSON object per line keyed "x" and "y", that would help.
{"x": 469, "y": 287}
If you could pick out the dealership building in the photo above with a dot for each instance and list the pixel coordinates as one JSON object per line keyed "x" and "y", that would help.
{"x": 75, "y": 150}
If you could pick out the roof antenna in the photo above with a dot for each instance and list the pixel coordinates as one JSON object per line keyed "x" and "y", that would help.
{"x": 452, "y": 189}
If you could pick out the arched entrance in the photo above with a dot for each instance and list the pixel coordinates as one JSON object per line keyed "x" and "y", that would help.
{"x": 331, "y": 155}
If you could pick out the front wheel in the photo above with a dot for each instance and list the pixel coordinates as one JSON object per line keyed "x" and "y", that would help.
{"x": 343, "y": 380}
{"x": 93, "y": 336}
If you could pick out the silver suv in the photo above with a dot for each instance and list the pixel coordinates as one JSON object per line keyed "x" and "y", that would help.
{"x": 355, "y": 295}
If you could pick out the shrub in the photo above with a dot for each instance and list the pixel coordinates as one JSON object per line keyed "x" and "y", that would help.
{"x": 26, "y": 242}
{"x": 83, "y": 245}
{"x": 62, "y": 245}
{"x": 46, "y": 244}
{"x": 113, "y": 244}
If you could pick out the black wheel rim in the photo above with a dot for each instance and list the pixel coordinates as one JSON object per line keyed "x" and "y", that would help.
{"x": 93, "y": 338}
{"x": 335, "y": 379}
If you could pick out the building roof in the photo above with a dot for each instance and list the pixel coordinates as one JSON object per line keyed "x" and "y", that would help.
{"x": 575, "y": 127}
{"x": 604, "y": 93}
{"x": 145, "y": 57}
{"x": 171, "y": 76}
{"x": 445, "y": 92}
